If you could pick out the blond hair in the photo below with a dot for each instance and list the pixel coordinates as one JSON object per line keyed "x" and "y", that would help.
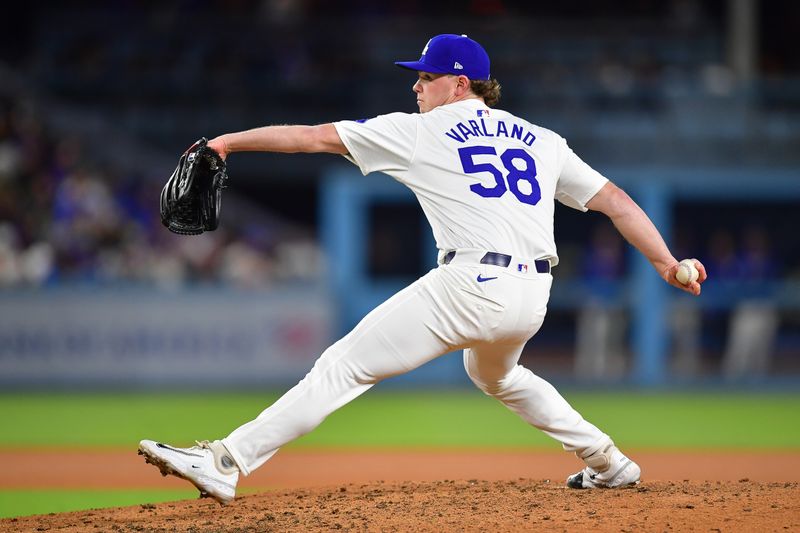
{"x": 489, "y": 90}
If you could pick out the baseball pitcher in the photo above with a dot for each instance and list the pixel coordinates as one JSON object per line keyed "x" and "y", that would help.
{"x": 487, "y": 181}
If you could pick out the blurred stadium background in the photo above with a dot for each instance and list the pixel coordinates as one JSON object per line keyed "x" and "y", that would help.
{"x": 691, "y": 105}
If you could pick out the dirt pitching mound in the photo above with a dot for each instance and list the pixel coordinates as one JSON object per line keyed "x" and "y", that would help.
{"x": 463, "y": 505}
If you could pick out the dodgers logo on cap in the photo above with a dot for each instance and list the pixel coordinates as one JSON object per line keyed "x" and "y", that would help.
{"x": 425, "y": 50}
{"x": 452, "y": 54}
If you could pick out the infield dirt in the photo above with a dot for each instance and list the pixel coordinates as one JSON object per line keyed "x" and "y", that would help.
{"x": 464, "y": 505}
{"x": 496, "y": 500}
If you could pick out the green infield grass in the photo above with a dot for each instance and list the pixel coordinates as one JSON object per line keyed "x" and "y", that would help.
{"x": 426, "y": 419}
{"x": 23, "y": 502}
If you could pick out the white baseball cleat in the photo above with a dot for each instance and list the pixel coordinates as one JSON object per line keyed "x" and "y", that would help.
{"x": 208, "y": 466}
{"x": 619, "y": 471}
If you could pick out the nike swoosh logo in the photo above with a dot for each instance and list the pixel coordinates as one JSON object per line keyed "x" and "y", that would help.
{"x": 481, "y": 279}
{"x": 176, "y": 450}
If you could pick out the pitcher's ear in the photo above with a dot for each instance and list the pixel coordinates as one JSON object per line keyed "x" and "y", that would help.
{"x": 462, "y": 85}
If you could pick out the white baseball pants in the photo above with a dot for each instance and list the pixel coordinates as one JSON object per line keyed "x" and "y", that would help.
{"x": 445, "y": 310}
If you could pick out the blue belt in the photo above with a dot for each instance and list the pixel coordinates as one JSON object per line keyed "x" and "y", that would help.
{"x": 502, "y": 260}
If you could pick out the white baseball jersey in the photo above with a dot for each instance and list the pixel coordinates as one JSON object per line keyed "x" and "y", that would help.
{"x": 485, "y": 178}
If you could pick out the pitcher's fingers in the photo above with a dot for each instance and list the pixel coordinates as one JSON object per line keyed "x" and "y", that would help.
{"x": 701, "y": 270}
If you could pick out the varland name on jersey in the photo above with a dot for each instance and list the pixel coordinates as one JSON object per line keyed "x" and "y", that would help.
{"x": 498, "y": 128}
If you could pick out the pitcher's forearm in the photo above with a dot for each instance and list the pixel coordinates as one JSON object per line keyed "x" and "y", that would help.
{"x": 633, "y": 224}
{"x": 285, "y": 139}
{"x": 637, "y": 228}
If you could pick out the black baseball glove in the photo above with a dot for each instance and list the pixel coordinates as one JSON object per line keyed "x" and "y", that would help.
{"x": 191, "y": 199}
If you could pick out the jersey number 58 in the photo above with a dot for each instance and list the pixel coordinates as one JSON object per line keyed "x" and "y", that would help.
{"x": 514, "y": 176}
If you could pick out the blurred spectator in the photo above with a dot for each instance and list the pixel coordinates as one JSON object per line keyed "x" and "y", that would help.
{"x": 722, "y": 263}
{"x": 753, "y": 320}
{"x": 605, "y": 257}
{"x": 717, "y": 80}
{"x": 752, "y": 260}
{"x": 65, "y": 219}
{"x": 757, "y": 259}
{"x": 600, "y": 337}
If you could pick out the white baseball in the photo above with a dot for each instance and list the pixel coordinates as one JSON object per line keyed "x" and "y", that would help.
{"x": 687, "y": 273}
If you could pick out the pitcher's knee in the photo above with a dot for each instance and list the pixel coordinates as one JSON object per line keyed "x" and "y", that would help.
{"x": 492, "y": 387}
{"x": 500, "y": 386}
{"x": 496, "y": 388}
{"x": 491, "y": 384}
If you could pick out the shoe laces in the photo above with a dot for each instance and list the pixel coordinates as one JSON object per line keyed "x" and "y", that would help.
{"x": 201, "y": 445}
{"x": 218, "y": 461}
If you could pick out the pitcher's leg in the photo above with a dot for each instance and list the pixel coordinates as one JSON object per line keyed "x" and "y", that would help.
{"x": 393, "y": 339}
{"x": 494, "y": 369}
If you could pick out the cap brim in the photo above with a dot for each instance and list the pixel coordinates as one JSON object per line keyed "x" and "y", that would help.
{"x": 420, "y": 66}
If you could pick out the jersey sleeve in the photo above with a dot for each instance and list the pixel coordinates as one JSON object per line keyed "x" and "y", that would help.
{"x": 385, "y": 143}
{"x": 578, "y": 182}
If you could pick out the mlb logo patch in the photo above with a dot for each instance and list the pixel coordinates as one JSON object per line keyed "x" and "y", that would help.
{"x": 483, "y": 113}
{"x": 522, "y": 267}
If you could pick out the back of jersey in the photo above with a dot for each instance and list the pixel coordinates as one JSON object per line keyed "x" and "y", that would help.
{"x": 485, "y": 179}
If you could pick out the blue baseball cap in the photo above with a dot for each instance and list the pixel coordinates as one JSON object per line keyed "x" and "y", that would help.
{"x": 452, "y": 54}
